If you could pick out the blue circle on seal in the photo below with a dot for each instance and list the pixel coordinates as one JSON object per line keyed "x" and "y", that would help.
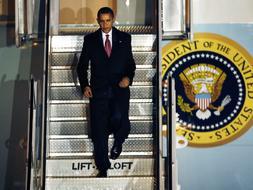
{"x": 209, "y": 91}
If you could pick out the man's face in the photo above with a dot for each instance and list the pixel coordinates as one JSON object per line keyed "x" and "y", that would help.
{"x": 105, "y": 22}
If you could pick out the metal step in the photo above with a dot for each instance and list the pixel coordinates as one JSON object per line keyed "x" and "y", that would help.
{"x": 81, "y": 110}
{"x": 70, "y": 76}
{"x": 75, "y": 29}
{"x": 74, "y": 93}
{"x": 71, "y": 59}
{"x": 73, "y": 128}
{"x": 87, "y": 167}
{"x": 75, "y": 43}
{"x": 84, "y": 118}
{"x": 86, "y": 101}
{"x": 79, "y": 147}
{"x": 115, "y": 183}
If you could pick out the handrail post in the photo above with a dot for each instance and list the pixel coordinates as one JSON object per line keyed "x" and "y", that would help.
{"x": 169, "y": 133}
{"x": 19, "y": 22}
{"x": 55, "y": 16}
{"x": 171, "y": 174}
{"x": 33, "y": 166}
{"x": 29, "y": 136}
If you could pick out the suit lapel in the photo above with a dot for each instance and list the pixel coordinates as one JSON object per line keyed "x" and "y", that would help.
{"x": 101, "y": 49}
{"x": 114, "y": 41}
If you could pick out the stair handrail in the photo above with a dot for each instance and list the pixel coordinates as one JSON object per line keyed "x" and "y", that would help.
{"x": 33, "y": 136}
{"x": 171, "y": 134}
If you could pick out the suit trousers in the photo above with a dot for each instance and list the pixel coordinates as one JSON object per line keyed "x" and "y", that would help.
{"x": 109, "y": 115}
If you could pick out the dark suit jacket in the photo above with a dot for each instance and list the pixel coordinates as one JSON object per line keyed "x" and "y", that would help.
{"x": 105, "y": 72}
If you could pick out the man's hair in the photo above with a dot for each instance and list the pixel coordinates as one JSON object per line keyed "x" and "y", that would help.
{"x": 105, "y": 10}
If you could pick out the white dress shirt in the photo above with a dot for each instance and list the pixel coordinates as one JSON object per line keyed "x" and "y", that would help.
{"x": 104, "y": 37}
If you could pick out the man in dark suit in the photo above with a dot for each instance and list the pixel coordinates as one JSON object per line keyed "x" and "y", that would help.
{"x": 109, "y": 53}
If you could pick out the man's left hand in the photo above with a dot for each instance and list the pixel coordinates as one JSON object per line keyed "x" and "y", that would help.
{"x": 124, "y": 83}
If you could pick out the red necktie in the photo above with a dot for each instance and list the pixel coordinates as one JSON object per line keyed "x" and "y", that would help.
{"x": 108, "y": 47}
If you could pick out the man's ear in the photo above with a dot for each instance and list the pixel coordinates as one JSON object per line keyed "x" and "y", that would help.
{"x": 97, "y": 20}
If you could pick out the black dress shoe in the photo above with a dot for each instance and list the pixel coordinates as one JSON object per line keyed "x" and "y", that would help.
{"x": 115, "y": 151}
{"x": 102, "y": 173}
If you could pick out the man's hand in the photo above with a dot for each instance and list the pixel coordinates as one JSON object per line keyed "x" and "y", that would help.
{"x": 125, "y": 81}
{"x": 87, "y": 92}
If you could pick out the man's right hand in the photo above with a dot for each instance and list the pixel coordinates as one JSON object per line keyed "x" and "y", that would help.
{"x": 87, "y": 92}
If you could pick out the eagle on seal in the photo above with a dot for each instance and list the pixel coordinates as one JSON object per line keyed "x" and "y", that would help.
{"x": 203, "y": 88}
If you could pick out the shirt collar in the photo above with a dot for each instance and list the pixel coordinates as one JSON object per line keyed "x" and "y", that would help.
{"x": 104, "y": 34}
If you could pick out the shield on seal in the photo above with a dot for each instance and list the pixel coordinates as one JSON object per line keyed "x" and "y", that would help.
{"x": 203, "y": 100}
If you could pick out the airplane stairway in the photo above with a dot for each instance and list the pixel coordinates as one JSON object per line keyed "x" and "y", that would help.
{"x": 69, "y": 161}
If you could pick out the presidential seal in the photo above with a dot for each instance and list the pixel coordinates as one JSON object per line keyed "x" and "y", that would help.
{"x": 214, "y": 88}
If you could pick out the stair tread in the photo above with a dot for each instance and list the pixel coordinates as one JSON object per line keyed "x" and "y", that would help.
{"x": 87, "y": 167}
{"x": 84, "y": 137}
{"x": 112, "y": 183}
